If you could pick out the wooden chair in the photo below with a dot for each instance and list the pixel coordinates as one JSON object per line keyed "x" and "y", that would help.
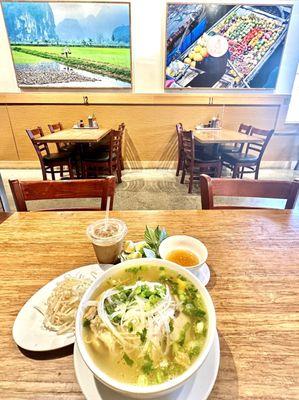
{"x": 195, "y": 164}
{"x": 104, "y": 144}
{"x": 4, "y": 206}
{"x": 237, "y": 147}
{"x": 200, "y": 149}
{"x": 122, "y": 128}
{"x": 49, "y": 161}
{"x": 60, "y": 146}
{"x": 179, "y": 130}
{"x": 252, "y": 157}
{"x": 94, "y": 163}
{"x": 210, "y": 187}
{"x": 23, "y": 191}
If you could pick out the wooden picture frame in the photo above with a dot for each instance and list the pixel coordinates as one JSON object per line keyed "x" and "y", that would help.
{"x": 55, "y": 58}
{"x": 198, "y": 67}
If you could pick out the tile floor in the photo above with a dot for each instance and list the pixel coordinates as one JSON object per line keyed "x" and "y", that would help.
{"x": 151, "y": 189}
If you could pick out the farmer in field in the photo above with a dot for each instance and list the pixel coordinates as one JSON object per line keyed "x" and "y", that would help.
{"x": 65, "y": 52}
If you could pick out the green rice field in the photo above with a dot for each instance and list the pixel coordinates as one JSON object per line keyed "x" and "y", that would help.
{"x": 22, "y": 58}
{"x": 110, "y": 62}
{"x": 116, "y": 56}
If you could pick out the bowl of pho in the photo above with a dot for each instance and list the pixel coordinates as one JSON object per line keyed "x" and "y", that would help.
{"x": 145, "y": 326}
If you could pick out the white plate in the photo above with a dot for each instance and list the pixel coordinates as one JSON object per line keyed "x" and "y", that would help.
{"x": 197, "y": 388}
{"x": 28, "y": 330}
{"x": 203, "y": 274}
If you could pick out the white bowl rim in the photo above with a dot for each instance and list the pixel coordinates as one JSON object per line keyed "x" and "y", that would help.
{"x": 151, "y": 389}
{"x": 168, "y": 241}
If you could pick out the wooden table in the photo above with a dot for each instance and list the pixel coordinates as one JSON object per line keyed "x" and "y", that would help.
{"x": 75, "y": 135}
{"x": 223, "y": 136}
{"x": 253, "y": 257}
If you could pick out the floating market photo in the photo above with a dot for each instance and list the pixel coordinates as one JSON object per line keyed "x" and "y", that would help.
{"x": 224, "y": 46}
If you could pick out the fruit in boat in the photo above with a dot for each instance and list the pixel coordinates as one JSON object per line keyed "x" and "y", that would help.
{"x": 198, "y": 57}
{"x": 187, "y": 60}
{"x": 204, "y": 52}
{"x": 197, "y": 49}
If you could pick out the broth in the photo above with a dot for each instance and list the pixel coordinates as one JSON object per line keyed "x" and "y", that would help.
{"x": 183, "y": 257}
{"x": 151, "y": 327}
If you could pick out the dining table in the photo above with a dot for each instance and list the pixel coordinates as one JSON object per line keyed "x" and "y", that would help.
{"x": 223, "y": 136}
{"x": 80, "y": 137}
{"x": 75, "y": 135}
{"x": 254, "y": 285}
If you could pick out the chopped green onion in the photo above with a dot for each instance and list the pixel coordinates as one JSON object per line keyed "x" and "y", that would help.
{"x": 128, "y": 360}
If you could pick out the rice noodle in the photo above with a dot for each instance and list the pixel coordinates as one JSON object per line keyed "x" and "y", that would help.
{"x": 62, "y": 304}
{"x": 155, "y": 320}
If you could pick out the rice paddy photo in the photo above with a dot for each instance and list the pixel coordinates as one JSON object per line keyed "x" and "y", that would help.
{"x": 70, "y": 44}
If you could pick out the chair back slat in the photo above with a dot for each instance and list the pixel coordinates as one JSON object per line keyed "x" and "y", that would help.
{"x": 122, "y": 127}
{"x": 258, "y": 147}
{"x": 179, "y": 131}
{"x": 56, "y": 128}
{"x": 211, "y": 187}
{"x": 115, "y": 143}
{"x": 69, "y": 189}
{"x": 41, "y": 149}
{"x": 245, "y": 129}
{"x": 188, "y": 144}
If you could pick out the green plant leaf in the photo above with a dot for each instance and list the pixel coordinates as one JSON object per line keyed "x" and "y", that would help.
{"x": 153, "y": 238}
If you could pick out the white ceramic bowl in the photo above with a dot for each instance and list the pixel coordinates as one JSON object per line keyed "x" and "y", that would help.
{"x": 135, "y": 391}
{"x": 187, "y": 243}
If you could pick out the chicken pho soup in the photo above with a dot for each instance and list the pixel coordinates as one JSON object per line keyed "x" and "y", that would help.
{"x": 145, "y": 325}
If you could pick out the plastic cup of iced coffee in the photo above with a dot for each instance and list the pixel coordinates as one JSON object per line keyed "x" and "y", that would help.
{"x": 107, "y": 236}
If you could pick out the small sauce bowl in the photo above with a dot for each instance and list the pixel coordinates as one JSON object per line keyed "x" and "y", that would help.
{"x": 188, "y": 243}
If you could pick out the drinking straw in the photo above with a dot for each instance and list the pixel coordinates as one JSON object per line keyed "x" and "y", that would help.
{"x": 107, "y": 212}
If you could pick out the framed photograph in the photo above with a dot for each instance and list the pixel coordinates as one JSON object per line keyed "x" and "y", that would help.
{"x": 70, "y": 44}
{"x": 224, "y": 46}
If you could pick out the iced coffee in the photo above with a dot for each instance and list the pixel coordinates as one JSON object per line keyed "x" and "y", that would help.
{"x": 107, "y": 238}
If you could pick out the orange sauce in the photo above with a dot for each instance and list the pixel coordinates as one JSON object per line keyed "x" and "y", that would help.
{"x": 183, "y": 257}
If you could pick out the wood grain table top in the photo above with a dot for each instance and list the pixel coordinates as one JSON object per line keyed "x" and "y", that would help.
{"x": 75, "y": 135}
{"x": 253, "y": 257}
{"x": 223, "y": 136}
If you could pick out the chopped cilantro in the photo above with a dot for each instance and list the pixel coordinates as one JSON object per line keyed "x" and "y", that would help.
{"x": 142, "y": 335}
{"x": 171, "y": 325}
{"x": 148, "y": 366}
{"x": 128, "y": 360}
{"x": 130, "y": 327}
{"x": 110, "y": 308}
{"x": 194, "y": 352}
{"x": 182, "y": 336}
{"x": 133, "y": 270}
{"x": 116, "y": 319}
{"x": 181, "y": 277}
{"x": 86, "y": 323}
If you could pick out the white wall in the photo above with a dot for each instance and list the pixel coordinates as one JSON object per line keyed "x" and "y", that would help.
{"x": 148, "y": 40}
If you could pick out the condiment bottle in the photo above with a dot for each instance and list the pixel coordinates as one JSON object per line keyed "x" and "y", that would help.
{"x": 214, "y": 122}
{"x": 94, "y": 121}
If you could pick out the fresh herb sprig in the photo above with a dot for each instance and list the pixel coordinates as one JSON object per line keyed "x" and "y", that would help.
{"x": 153, "y": 239}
